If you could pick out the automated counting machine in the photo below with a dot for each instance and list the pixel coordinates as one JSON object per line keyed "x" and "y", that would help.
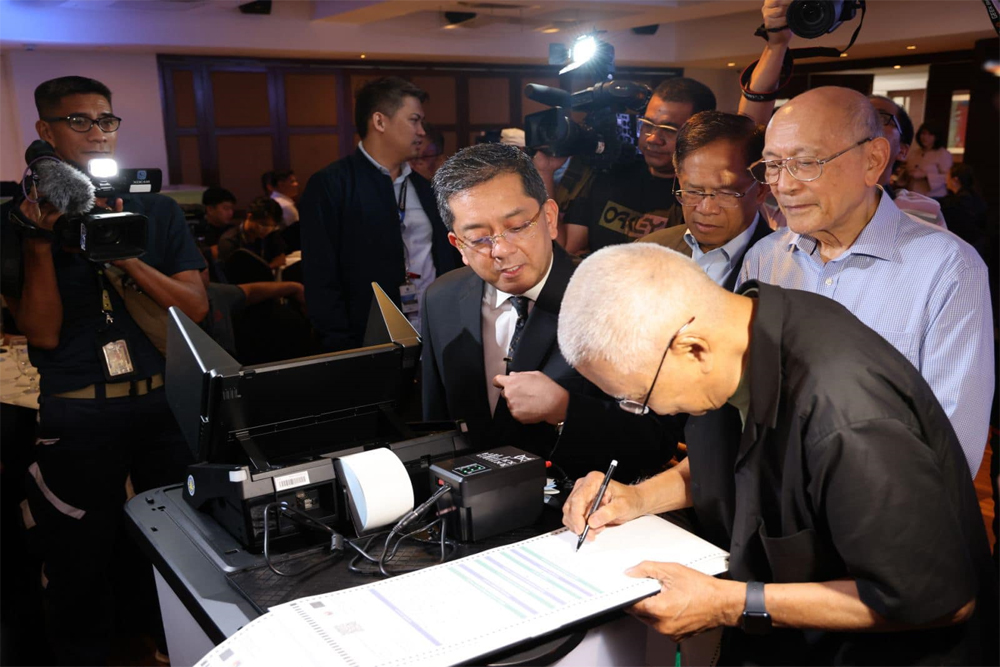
{"x": 269, "y": 433}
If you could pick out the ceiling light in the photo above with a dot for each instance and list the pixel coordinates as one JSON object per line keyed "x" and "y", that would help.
{"x": 897, "y": 67}
{"x": 843, "y": 55}
{"x": 730, "y": 64}
{"x": 549, "y": 31}
{"x": 911, "y": 47}
{"x": 363, "y": 56}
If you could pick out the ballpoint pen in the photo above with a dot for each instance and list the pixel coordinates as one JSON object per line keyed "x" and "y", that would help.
{"x": 597, "y": 503}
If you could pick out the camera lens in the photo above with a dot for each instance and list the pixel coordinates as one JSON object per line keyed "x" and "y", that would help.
{"x": 812, "y": 18}
{"x": 105, "y": 235}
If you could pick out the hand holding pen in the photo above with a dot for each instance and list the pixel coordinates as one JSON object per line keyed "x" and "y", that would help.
{"x": 618, "y": 504}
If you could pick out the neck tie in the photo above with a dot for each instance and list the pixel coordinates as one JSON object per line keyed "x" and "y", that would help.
{"x": 520, "y": 304}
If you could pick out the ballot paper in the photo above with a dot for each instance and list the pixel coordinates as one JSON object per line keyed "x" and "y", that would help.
{"x": 471, "y": 607}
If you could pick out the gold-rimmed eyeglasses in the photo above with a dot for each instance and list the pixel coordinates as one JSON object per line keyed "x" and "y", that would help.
{"x": 724, "y": 198}
{"x": 484, "y": 244}
{"x": 648, "y": 128}
{"x": 637, "y": 408}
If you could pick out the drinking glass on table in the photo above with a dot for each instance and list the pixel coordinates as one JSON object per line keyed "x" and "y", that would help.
{"x": 29, "y": 372}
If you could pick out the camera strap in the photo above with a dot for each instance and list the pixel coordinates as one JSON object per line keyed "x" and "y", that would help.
{"x": 791, "y": 55}
{"x": 27, "y": 227}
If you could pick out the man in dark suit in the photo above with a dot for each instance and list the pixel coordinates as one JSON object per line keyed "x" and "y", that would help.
{"x": 489, "y": 330}
{"x": 718, "y": 196}
{"x": 368, "y": 218}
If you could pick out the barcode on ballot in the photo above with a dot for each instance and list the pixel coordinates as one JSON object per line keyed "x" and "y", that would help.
{"x": 290, "y": 481}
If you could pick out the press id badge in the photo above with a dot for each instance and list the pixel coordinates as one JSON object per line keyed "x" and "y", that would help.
{"x": 409, "y": 298}
{"x": 116, "y": 359}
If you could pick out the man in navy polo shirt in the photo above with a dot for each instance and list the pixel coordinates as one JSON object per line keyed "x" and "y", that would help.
{"x": 103, "y": 415}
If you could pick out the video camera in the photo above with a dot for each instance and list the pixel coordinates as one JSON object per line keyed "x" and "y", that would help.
{"x": 609, "y": 134}
{"x": 101, "y": 234}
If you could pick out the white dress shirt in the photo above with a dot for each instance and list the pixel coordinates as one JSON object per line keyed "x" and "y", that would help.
{"x": 499, "y": 319}
{"x": 289, "y": 213}
{"x": 418, "y": 235}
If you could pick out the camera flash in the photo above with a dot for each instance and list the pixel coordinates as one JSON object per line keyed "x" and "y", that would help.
{"x": 102, "y": 168}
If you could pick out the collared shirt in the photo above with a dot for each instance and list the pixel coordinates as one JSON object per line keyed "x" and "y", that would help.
{"x": 499, "y": 319}
{"x": 418, "y": 235}
{"x": 922, "y": 289}
{"x": 718, "y": 263}
{"x": 847, "y": 468}
{"x": 289, "y": 213}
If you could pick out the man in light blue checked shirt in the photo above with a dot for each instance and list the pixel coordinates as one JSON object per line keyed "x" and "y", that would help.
{"x": 923, "y": 289}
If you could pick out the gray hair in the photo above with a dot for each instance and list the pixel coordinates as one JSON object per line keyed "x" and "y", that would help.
{"x": 478, "y": 164}
{"x": 622, "y": 298}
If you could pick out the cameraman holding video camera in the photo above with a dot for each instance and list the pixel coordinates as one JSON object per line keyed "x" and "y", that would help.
{"x": 103, "y": 415}
{"x": 629, "y": 202}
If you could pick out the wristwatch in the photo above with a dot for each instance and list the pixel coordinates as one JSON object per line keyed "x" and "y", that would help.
{"x": 755, "y": 620}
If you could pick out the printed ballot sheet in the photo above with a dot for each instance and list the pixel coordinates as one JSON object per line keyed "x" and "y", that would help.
{"x": 470, "y": 607}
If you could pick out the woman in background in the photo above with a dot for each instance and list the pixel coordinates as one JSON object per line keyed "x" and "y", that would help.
{"x": 928, "y": 162}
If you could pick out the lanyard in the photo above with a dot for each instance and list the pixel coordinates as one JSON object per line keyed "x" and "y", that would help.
{"x": 105, "y": 297}
{"x": 401, "y": 201}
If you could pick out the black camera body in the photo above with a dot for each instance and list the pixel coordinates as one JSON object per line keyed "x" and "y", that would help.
{"x": 609, "y": 134}
{"x": 99, "y": 233}
{"x": 810, "y": 19}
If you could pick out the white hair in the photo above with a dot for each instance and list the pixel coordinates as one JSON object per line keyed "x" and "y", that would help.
{"x": 622, "y": 298}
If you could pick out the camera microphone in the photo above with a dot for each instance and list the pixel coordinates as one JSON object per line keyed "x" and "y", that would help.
{"x": 62, "y": 185}
{"x": 553, "y": 97}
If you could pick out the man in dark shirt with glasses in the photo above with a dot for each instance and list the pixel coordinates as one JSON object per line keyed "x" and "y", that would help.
{"x": 630, "y": 202}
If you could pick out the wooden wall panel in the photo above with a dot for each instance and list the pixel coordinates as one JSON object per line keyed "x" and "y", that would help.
{"x": 242, "y": 159}
{"x": 311, "y": 99}
{"x": 311, "y": 152}
{"x": 190, "y": 159}
{"x": 184, "y": 100}
{"x": 440, "y": 105}
{"x": 240, "y": 99}
{"x": 489, "y": 101}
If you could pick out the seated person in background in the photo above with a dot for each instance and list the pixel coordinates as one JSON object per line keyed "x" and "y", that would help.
{"x": 924, "y": 290}
{"x": 629, "y": 202}
{"x": 256, "y": 234}
{"x": 226, "y": 300}
{"x": 854, "y": 532}
{"x": 220, "y": 204}
{"x": 284, "y": 190}
{"x": 717, "y": 194}
{"x": 490, "y": 355}
{"x": 431, "y": 155}
{"x": 929, "y": 161}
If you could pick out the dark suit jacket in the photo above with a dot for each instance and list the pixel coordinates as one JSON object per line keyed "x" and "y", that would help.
{"x": 454, "y": 383}
{"x": 351, "y": 237}
{"x": 673, "y": 238}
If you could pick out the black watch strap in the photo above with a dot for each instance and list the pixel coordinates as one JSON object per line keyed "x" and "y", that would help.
{"x": 756, "y": 620}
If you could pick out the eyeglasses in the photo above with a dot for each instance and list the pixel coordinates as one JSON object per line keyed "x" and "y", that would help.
{"x": 889, "y": 119}
{"x": 648, "y": 128}
{"x": 723, "y": 198}
{"x": 484, "y": 245}
{"x": 637, "y": 408}
{"x": 83, "y": 123}
{"x": 800, "y": 168}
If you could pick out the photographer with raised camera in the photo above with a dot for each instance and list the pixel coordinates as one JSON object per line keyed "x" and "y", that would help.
{"x": 629, "y": 202}
{"x": 103, "y": 415}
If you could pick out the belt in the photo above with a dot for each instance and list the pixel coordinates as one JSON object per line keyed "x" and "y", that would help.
{"x": 115, "y": 389}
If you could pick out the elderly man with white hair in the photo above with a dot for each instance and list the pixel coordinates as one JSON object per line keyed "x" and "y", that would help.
{"x": 924, "y": 290}
{"x": 843, "y": 497}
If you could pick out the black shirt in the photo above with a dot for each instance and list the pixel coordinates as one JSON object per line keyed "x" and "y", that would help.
{"x": 624, "y": 205}
{"x": 74, "y": 363}
{"x": 847, "y": 467}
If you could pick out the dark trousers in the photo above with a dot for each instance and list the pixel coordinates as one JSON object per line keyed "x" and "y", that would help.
{"x": 75, "y": 492}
